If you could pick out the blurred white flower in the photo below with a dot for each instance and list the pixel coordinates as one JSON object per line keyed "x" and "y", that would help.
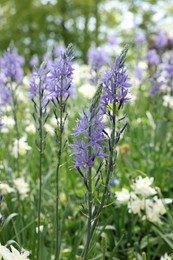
{"x": 155, "y": 209}
{"x": 135, "y": 204}
{"x": 39, "y": 229}
{"x": 123, "y": 196}
{"x": 53, "y": 121}
{"x": 49, "y": 129}
{"x": 87, "y": 90}
{"x": 142, "y": 186}
{"x": 30, "y": 129}
{"x": 22, "y": 145}
{"x": 8, "y": 123}
{"x": 21, "y": 186}
{"x": 165, "y": 257}
{"x": 5, "y": 188}
{"x": 81, "y": 74}
{"x": 168, "y": 101}
{"x": 14, "y": 254}
{"x": 21, "y": 96}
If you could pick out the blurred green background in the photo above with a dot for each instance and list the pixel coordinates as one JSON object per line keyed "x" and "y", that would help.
{"x": 36, "y": 26}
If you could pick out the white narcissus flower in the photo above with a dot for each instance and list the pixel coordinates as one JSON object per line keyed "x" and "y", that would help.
{"x": 5, "y": 253}
{"x": 5, "y": 188}
{"x": 19, "y": 256}
{"x": 165, "y": 257}
{"x": 22, "y": 145}
{"x": 135, "y": 204}
{"x": 22, "y": 187}
{"x": 154, "y": 209}
{"x": 142, "y": 186}
{"x": 123, "y": 196}
{"x": 14, "y": 254}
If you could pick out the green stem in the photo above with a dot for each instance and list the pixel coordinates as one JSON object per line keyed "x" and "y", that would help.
{"x": 14, "y": 110}
{"x": 89, "y": 236}
{"x": 58, "y": 244}
{"x": 40, "y": 170}
{"x": 90, "y": 205}
{"x": 109, "y": 169}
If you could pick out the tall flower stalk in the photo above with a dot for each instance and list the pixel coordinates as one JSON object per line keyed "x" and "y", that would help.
{"x": 11, "y": 65}
{"x": 59, "y": 87}
{"x": 94, "y": 148}
{"x": 37, "y": 92}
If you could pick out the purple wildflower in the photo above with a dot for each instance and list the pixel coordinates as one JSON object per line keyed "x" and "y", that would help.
{"x": 156, "y": 88}
{"x": 112, "y": 40}
{"x": 89, "y": 139}
{"x": 60, "y": 76}
{"x": 169, "y": 70}
{"x": 157, "y": 84}
{"x": 152, "y": 57}
{"x": 140, "y": 38}
{"x": 5, "y": 96}
{"x": 161, "y": 40}
{"x": 11, "y": 65}
{"x": 59, "y": 50}
{"x": 97, "y": 58}
{"x": 1, "y": 124}
{"x": 34, "y": 61}
{"x": 38, "y": 81}
{"x": 115, "y": 84}
{"x": 139, "y": 73}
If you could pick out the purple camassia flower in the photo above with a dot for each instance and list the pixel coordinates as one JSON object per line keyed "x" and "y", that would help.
{"x": 139, "y": 73}
{"x": 59, "y": 50}
{"x": 1, "y": 124}
{"x": 112, "y": 40}
{"x": 11, "y": 65}
{"x": 89, "y": 139}
{"x": 115, "y": 85}
{"x": 5, "y": 96}
{"x": 161, "y": 40}
{"x": 97, "y": 58}
{"x": 157, "y": 84}
{"x": 34, "y": 61}
{"x": 155, "y": 89}
{"x": 60, "y": 77}
{"x": 140, "y": 38}
{"x": 152, "y": 57}
{"x": 38, "y": 81}
{"x": 169, "y": 70}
